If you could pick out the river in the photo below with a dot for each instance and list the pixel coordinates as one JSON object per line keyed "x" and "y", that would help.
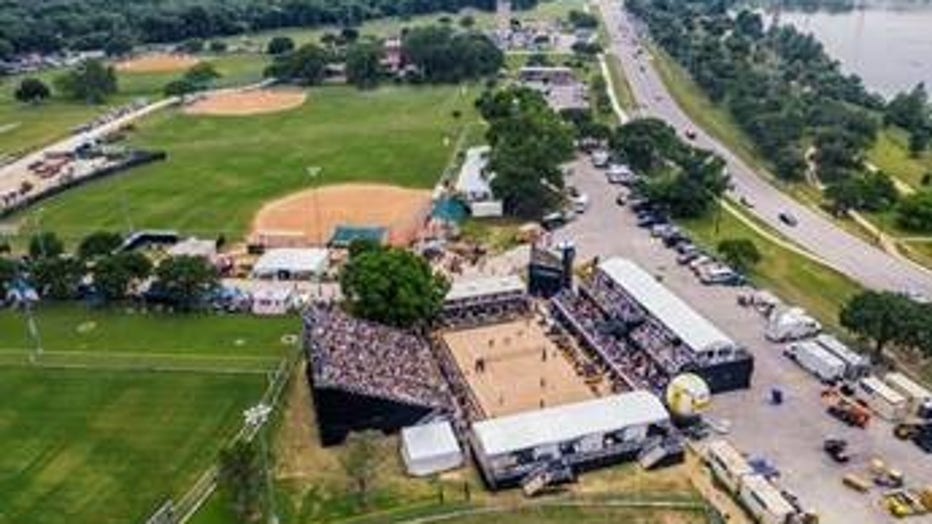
{"x": 889, "y": 45}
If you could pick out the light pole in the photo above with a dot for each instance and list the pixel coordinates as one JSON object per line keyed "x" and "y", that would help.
{"x": 315, "y": 173}
{"x": 257, "y": 417}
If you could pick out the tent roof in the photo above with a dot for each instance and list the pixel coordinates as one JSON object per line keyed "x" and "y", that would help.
{"x": 479, "y": 287}
{"x": 429, "y": 440}
{"x": 471, "y": 179}
{"x": 691, "y": 327}
{"x": 294, "y": 260}
{"x": 569, "y": 421}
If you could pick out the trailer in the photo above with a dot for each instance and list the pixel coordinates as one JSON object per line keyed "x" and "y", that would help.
{"x": 856, "y": 364}
{"x": 881, "y": 399}
{"x": 816, "y": 360}
{"x": 764, "y": 501}
{"x": 916, "y": 395}
{"x": 727, "y": 464}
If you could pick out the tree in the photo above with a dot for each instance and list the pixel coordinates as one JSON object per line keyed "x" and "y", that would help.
{"x": 45, "y": 245}
{"x": 364, "y": 64}
{"x": 306, "y": 65}
{"x": 57, "y": 277}
{"x": 740, "y": 253}
{"x": 392, "y": 286}
{"x": 914, "y": 212}
{"x": 876, "y": 315}
{"x": 91, "y": 82}
{"x": 8, "y": 272}
{"x": 280, "y": 45}
{"x": 443, "y": 55}
{"x": 240, "y": 477}
{"x": 582, "y": 19}
{"x": 360, "y": 459}
{"x": 529, "y": 142}
{"x": 100, "y": 243}
{"x": 201, "y": 74}
{"x": 185, "y": 280}
{"x": 32, "y": 91}
{"x": 118, "y": 44}
{"x": 180, "y": 88}
{"x": 113, "y": 274}
{"x": 467, "y": 21}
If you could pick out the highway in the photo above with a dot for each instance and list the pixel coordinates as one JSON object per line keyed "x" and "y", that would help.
{"x": 843, "y": 251}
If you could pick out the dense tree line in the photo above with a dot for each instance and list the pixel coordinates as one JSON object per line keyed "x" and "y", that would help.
{"x": 99, "y": 272}
{"x": 683, "y": 179}
{"x": 529, "y": 142}
{"x": 27, "y": 25}
{"x": 784, "y": 91}
{"x": 443, "y": 55}
{"x": 887, "y": 319}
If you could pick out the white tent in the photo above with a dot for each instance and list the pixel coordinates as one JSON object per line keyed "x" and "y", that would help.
{"x": 430, "y": 448}
{"x": 291, "y": 264}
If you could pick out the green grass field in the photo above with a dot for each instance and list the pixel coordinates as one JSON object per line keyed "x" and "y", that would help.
{"x": 794, "y": 278}
{"x": 93, "y": 446}
{"x": 222, "y": 169}
{"x": 890, "y": 154}
{"x": 25, "y": 127}
{"x": 94, "y": 435}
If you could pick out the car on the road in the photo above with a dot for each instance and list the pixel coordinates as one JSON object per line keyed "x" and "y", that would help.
{"x": 600, "y": 158}
{"x": 787, "y": 218}
{"x": 690, "y": 134}
{"x": 619, "y": 174}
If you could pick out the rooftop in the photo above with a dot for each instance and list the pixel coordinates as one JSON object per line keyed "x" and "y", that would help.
{"x": 569, "y": 421}
{"x": 689, "y": 326}
{"x": 293, "y": 260}
{"x": 472, "y": 180}
{"x": 480, "y": 287}
{"x": 429, "y": 440}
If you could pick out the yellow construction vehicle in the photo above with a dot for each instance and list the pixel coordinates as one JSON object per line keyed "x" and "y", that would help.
{"x": 908, "y": 502}
{"x": 856, "y": 482}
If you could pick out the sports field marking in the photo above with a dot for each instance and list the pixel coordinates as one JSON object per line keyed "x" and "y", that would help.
{"x": 513, "y": 367}
{"x": 226, "y": 364}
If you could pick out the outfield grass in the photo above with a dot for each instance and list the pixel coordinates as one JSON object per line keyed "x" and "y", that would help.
{"x": 91, "y": 446}
{"x": 222, "y": 169}
{"x": 890, "y": 153}
{"x": 25, "y": 127}
{"x": 793, "y": 277}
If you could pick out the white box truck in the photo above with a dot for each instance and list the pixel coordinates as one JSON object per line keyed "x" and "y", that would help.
{"x": 881, "y": 398}
{"x": 727, "y": 464}
{"x": 816, "y": 360}
{"x": 856, "y": 364}
{"x": 916, "y": 395}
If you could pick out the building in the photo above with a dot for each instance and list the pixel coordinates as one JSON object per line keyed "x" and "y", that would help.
{"x": 577, "y": 436}
{"x": 273, "y": 300}
{"x": 430, "y": 448}
{"x": 691, "y": 343}
{"x": 474, "y": 184}
{"x": 364, "y": 375}
{"x": 553, "y": 75}
{"x": 470, "y": 301}
{"x": 292, "y": 264}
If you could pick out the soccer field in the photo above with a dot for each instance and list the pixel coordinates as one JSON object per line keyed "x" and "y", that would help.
{"x": 95, "y": 434}
{"x": 222, "y": 169}
{"x": 98, "y": 446}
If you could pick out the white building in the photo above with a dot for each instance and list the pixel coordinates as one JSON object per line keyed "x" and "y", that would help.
{"x": 474, "y": 184}
{"x": 273, "y": 300}
{"x": 508, "y": 448}
{"x": 430, "y": 448}
{"x": 292, "y": 264}
{"x": 701, "y": 336}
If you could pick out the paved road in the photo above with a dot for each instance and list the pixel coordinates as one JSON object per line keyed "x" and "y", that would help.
{"x": 789, "y": 435}
{"x": 843, "y": 251}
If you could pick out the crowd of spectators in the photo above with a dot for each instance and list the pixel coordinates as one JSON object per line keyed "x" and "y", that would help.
{"x": 372, "y": 359}
{"x": 631, "y": 367}
{"x": 488, "y": 309}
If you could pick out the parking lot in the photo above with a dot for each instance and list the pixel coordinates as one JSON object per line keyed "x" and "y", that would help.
{"x": 789, "y": 435}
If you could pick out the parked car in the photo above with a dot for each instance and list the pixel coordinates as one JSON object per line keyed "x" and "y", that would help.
{"x": 600, "y": 158}
{"x": 648, "y": 220}
{"x": 689, "y": 256}
{"x": 621, "y": 200}
{"x": 690, "y": 134}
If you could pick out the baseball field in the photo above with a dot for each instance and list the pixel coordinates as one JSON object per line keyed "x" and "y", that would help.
{"x": 120, "y": 415}
{"x": 222, "y": 169}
